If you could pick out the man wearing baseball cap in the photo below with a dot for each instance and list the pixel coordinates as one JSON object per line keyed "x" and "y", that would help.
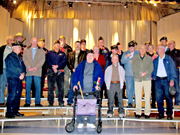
{"x": 163, "y": 41}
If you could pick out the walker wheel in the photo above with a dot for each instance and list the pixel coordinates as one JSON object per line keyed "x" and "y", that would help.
{"x": 70, "y": 127}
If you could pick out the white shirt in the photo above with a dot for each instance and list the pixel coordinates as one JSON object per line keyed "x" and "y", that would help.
{"x": 132, "y": 53}
{"x": 161, "y": 71}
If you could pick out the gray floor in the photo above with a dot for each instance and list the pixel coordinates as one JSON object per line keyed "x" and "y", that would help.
{"x": 109, "y": 127}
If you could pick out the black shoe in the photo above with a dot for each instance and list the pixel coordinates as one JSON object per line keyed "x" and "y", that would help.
{"x": 147, "y": 116}
{"x": 159, "y": 117}
{"x": 61, "y": 104}
{"x": 19, "y": 114}
{"x": 2, "y": 105}
{"x": 56, "y": 95}
{"x": 66, "y": 96}
{"x": 10, "y": 116}
{"x": 26, "y": 105}
{"x": 69, "y": 104}
{"x": 38, "y": 105}
{"x": 129, "y": 105}
{"x": 50, "y": 104}
{"x": 42, "y": 96}
{"x": 137, "y": 116}
{"x": 169, "y": 117}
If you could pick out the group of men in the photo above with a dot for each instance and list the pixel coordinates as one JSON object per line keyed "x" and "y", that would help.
{"x": 139, "y": 70}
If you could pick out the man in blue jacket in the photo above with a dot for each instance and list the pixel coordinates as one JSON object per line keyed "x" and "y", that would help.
{"x": 127, "y": 61}
{"x": 15, "y": 71}
{"x": 56, "y": 62}
{"x": 164, "y": 75}
{"x": 88, "y": 72}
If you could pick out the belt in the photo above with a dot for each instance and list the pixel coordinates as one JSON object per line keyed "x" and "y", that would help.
{"x": 162, "y": 77}
{"x": 115, "y": 81}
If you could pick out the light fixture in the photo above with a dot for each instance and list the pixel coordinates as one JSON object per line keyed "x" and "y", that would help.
{"x": 49, "y": 3}
{"x": 70, "y": 4}
{"x": 155, "y": 4}
{"x": 126, "y": 5}
{"x": 14, "y": 1}
{"x": 89, "y": 4}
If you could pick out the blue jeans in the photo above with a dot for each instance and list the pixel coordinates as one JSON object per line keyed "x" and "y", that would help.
{"x": 130, "y": 89}
{"x": 162, "y": 89}
{"x": 14, "y": 90}
{"x": 176, "y": 84}
{"x": 37, "y": 83}
{"x": 3, "y": 81}
{"x": 70, "y": 92}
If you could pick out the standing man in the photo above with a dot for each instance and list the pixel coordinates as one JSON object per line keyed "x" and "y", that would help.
{"x": 102, "y": 49}
{"x": 175, "y": 55}
{"x": 88, "y": 72}
{"x": 5, "y": 50}
{"x": 142, "y": 67}
{"x": 163, "y": 41}
{"x": 164, "y": 75}
{"x": 83, "y": 45}
{"x": 75, "y": 57}
{"x": 34, "y": 58}
{"x": 15, "y": 70}
{"x": 19, "y": 38}
{"x": 56, "y": 62}
{"x": 127, "y": 61}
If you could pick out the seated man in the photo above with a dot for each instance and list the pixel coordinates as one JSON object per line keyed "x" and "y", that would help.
{"x": 87, "y": 72}
{"x": 114, "y": 79}
{"x": 15, "y": 70}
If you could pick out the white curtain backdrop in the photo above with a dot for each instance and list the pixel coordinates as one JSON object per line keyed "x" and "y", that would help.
{"x": 170, "y": 26}
{"x": 77, "y": 29}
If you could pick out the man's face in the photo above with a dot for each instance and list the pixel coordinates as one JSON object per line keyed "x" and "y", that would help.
{"x": 62, "y": 42}
{"x": 142, "y": 50}
{"x": 164, "y": 42}
{"x": 19, "y": 38}
{"x": 41, "y": 44}
{"x": 150, "y": 49}
{"x": 83, "y": 45}
{"x": 160, "y": 50}
{"x": 132, "y": 48}
{"x": 115, "y": 60}
{"x": 34, "y": 42}
{"x": 90, "y": 57}
{"x": 114, "y": 51}
{"x": 171, "y": 45}
{"x": 10, "y": 40}
{"x": 101, "y": 43}
{"x": 57, "y": 46}
{"x": 77, "y": 46}
{"x": 17, "y": 49}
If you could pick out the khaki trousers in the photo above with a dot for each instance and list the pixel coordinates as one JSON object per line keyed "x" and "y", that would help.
{"x": 138, "y": 94}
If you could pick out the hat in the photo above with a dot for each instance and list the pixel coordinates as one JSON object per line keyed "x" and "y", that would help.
{"x": 135, "y": 42}
{"x": 114, "y": 47}
{"x": 18, "y": 35}
{"x": 147, "y": 43}
{"x": 163, "y": 38}
{"x": 118, "y": 43}
{"x": 41, "y": 40}
{"x": 100, "y": 38}
{"x": 90, "y": 51}
{"x": 131, "y": 44}
{"x": 62, "y": 37}
{"x": 16, "y": 44}
{"x": 172, "y": 90}
{"x": 56, "y": 42}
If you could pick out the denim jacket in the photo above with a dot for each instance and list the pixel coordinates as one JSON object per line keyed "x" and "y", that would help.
{"x": 127, "y": 64}
{"x": 169, "y": 67}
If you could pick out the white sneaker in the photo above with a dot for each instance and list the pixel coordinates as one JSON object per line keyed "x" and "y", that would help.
{"x": 80, "y": 125}
{"x": 176, "y": 107}
{"x": 109, "y": 115}
{"x": 121, "y": 115}
{"x": 89, "y": 125}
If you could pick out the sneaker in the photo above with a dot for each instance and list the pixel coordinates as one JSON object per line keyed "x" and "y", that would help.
{"x": 50, "y": 104}
{"x": 38, "y": 105}
{"x": 176, "y": 107}
{"x": 80, "y": 125}
{"x": 26, "y": 105}
{"x": 61, "y": 104}
{"x": 89, "y": 125}
{"x": 129, "y": 105}
{"x": 109, "y": 115}
{"x": 121, "y": 115}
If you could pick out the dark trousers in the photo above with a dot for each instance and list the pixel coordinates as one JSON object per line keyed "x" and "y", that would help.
{"x": 162, "y": 89}
{"x": 153, "y": 95}
{"x": 103, "y": 88}
{"x": 70, "y": 92}
{"x": 59, "y": 79}
{"x": 14, "y": 90}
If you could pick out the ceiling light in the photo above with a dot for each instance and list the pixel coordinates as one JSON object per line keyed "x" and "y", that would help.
{"x": 155, "y": 4}
{"x": 126, "y": 5}
{"x": 14, "y": 1}
{"x": 89, "y": 4}
{"x": 49, "y": 3}
{"x": 70, "y": 4}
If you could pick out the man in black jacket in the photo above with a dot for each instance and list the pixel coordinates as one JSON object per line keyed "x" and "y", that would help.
{"x": 4, "y": 51}
{"x": 75, "y": 57}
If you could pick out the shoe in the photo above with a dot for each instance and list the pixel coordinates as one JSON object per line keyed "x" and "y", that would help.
{"x": 129, "y": 105}
{"x": 26, "y": 105}
{"x": 69, "y": 104}
{"x": 10, "y": 116}
{"x": 19, "y": 114}
{"x": 147, "y": 116}
{"x": 137, "y": 116}
{"x": 66, "y": 96}
{"x": 109, "y": 115}
{"x": 121, "y": 115}
{"x": 61, "y": 104}
{"x": 159, "y": 117}
{"x": 38, "y": 105}
{"x": 42, "y": 96}
{"x": 89, "y": 125}
{"x": 80, "y": 125}
{"x": 50, "y": 104}
{"x": 176, "y": 107}
{"x": 2, "y": 104}
{"x": 56, "y": 95}
{"x": 169, "y": 117}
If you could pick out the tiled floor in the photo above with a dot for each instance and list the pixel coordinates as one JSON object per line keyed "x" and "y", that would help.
{"x": 109, "y": 128}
